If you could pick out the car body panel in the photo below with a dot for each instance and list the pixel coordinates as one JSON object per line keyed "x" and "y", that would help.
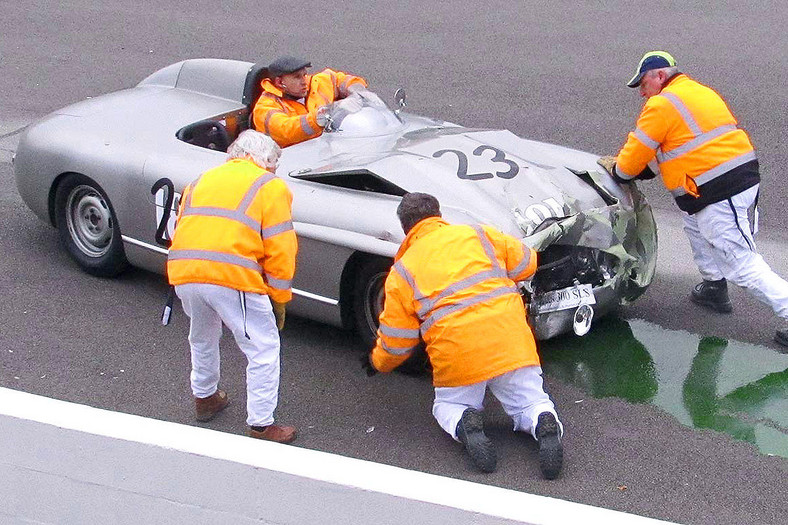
{"x": 346, "y": 183}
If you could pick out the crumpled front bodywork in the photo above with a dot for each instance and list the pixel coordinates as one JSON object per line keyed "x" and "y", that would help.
{"x": 628, "y": 234}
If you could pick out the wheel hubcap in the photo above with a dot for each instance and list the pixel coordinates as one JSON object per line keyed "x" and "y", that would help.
{"x": 375, "y": 294}
{"x": 89, "y": 221}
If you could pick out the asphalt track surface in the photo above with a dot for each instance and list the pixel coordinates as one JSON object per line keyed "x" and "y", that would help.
{"x": 547, "y": 71}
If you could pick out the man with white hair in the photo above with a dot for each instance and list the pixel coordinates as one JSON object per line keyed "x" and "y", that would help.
{"x": 232, "y": 261}
{"x": 710, "y": 167}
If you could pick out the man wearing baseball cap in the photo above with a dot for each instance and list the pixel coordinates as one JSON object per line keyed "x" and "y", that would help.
{"x": 710, "y": 167}
{"x": 289, "y": 109}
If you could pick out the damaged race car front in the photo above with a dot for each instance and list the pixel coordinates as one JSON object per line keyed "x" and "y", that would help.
{"x": 589, "y": 262}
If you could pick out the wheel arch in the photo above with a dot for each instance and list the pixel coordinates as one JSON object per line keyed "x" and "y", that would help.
{"x": 53, "y": 192}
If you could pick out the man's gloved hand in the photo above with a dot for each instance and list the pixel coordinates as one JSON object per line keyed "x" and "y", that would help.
{"x": 368, "y": 96}
{"x": 348, "y": 105}
{"x": 321, "y": 116}
{"x": 279, "y": 314}
{"x": 609, "y": 163}
{"x": 366, "y": 364}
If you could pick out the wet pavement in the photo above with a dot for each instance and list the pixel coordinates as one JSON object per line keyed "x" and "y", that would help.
{"x": 704, "y": 382}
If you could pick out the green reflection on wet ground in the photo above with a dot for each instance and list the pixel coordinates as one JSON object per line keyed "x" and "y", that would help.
{"x": 705, "y": 382}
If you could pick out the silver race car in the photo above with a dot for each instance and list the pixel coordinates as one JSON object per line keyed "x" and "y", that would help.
{"x": 108, "y": 171}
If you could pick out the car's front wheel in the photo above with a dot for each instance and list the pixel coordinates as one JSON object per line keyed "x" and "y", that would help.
{"x": 368, "y": 301}
{"x": 88, "y": 227}
{"x": 368, "y": 297}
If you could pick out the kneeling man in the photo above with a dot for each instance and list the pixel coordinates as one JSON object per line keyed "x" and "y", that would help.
{"x": 454, "y": 287}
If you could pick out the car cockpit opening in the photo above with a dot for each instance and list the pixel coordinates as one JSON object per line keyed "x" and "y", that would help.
{"x": 208, "y": 133}
{"x": 362, "y": 180}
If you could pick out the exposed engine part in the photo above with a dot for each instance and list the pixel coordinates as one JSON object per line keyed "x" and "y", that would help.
{"x": 559, "y": 267}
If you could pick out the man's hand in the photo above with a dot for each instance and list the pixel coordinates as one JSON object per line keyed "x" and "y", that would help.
{"x": 366, "y": 364}
{"x": 348, "y": 105}
{"x": 279, "y": 314}
{"x": 609, "y": 163}
{"x": 321, "y": 116}
{"x": 368, "y": 96}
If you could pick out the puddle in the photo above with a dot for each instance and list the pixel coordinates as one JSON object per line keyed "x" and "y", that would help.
{"x": 705, "y": 382}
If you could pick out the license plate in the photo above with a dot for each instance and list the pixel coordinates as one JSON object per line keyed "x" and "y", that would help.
{"x": 564, "y": 299}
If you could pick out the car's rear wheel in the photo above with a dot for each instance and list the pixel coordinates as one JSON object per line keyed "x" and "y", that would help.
{"x": 368, "y": 299}
{"x": 88, "y": 227}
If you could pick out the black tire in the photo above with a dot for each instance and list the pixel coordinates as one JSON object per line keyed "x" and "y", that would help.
{"x": 368, "y": 297}
{"x": 368, "y": 294}
{"x": 88, "y": 227}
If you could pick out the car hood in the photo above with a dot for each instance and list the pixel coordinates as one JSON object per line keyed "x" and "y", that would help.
{"x": 494, "y": 175}
{"x": 542, "y": 193}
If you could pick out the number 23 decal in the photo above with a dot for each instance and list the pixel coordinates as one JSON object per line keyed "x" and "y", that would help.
{"x": 499, "y": 157}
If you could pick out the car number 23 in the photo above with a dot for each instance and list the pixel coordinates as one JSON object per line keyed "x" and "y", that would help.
{"x": 506, "y": 168}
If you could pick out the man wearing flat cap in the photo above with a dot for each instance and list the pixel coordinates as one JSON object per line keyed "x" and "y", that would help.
{"x": 710, "y": 167}
{"x": 289, "y": 109}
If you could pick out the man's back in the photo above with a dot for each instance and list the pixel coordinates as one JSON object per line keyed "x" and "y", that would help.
{"x": 457, "y": 280}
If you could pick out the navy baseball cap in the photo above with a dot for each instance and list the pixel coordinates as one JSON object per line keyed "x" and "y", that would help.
{"x": 286, "y": 64}
{"x": 651, "y": 60}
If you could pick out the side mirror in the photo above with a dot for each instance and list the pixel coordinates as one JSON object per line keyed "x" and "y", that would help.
{"x": 399, "y": 100}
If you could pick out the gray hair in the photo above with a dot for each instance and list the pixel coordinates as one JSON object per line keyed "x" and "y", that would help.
{"x": 258, "y": 146}
{"x": 416, "y": 207}
{"x": 669, "y": 71}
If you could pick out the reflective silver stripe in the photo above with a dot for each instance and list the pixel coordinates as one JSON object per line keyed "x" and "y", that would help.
{"x": 716, "y": 171}
{"x": 279, "y": 284}
{"x": 520, "y": 268}
{"x": 239, "y": 214}
{"x": 402, "y": 333}
{"x": 270, "y": 114}
{"x": 695, "y": 143}
{"x": 334, "y": 85}
{"x": 306, "y": 127}
{"x": 208, "y": 255}
{"x": 645, "y": 139}
{"x": 248, "y": 197}
{"x": 495, "y": 272}
{"x": 344, "y": 87}
{"x": 405, "y": 274}
{"x": 430, "y": 302}
{"x": 725, "y": 167}
{"x": 685, "y": 113}
{"x": 395, "y": 350}
{"x": 488, "y": 248}
{"x": 276, "y": 229}
{"x": 623, "y": 175}
{"x": 442, "y": 312}
{"x": 209, "y": 211}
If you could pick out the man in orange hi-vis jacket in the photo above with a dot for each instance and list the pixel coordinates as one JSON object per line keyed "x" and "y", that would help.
{"x": 232, "y": 260}
{"x": 291, "y": 108}
{"x": 453, "y": 286}
{"x": 710, "y": 167}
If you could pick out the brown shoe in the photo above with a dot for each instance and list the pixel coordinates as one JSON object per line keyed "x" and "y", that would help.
{"x": 275, "y": 433}
{"x": 205, "y": 408}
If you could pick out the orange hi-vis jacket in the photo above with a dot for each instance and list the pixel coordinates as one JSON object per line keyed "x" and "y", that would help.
{"x": 235, "y": 229}
{"x": 454, "y": 287}
{"x": 289, "y": 121}
{"x": 703, "y": 156}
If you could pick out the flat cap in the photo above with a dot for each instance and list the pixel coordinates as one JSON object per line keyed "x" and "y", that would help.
{"x": 286, "y": 64}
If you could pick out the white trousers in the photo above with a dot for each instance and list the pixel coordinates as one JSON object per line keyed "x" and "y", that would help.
{"x": 520, "y": 392}
{"x": 250, "y": 318}
{"x": 721, "y": 238}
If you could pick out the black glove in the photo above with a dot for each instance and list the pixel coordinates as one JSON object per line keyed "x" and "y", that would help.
{"x": 366, "y": 364}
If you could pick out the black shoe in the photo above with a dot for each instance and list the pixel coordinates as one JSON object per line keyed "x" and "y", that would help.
{"x": 713, "y": 295}
{"x": 470, "y": 432}
{"x": 551, "y": 452}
